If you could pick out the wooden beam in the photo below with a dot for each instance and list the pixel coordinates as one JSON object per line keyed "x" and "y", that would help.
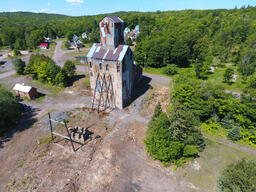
{"x": 57, "y": 121}
{"x": 69, "y": 135}
{"x": 94, "y": 94}
{"x": 60, "y": 135}
{"x": 51, "y": 126}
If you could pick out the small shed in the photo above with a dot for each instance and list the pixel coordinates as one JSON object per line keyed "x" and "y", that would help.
{"x": 22, "y": 90}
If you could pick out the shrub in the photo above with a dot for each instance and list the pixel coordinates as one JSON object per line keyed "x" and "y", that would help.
{"x": 228, "y": 75}
{"x": 16, "y": 52}
{"x": 129, "y": 42}
{"x": 190, "y": 151}
{"x": 19, "y": 66}
{"x": 170, "y": 69}
{"x": 67, "y": 44}
{"x": 238, "y": 177}
{"x": 234, "y": 134}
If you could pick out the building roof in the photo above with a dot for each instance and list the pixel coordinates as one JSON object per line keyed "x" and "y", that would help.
{"x": 97, "y": 52}
{"x": 115, "y": 19}
{"x": 43, "y": 44}
{"x": 22, "y": 88}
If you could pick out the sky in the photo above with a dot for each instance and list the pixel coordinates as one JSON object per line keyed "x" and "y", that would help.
{"x": 93, "y": 7}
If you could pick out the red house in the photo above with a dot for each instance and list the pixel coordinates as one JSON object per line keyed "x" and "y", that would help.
{"x": 43, "y": 46}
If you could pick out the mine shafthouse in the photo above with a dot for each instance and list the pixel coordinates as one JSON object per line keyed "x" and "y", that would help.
{"x": 112, "y": 71}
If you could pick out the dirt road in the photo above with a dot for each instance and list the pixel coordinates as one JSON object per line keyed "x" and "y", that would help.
{"x": 7, "y": 74}
{"x": 8, "y": 66}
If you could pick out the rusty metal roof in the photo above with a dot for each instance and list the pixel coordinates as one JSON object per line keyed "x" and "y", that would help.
{"x": 115, "y": 19}
{"x": 97, "y": 52}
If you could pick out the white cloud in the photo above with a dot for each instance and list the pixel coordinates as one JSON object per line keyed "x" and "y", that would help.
{"x": 49, "y": 4}
{"x": 18, "y": 10}
{"x": 75, "y": 2}
{"x": 44, "y": 10}
{"x": 33, "y": 11}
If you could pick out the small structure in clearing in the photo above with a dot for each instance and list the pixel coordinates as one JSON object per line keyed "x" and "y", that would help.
{"x": 22, "y": 90}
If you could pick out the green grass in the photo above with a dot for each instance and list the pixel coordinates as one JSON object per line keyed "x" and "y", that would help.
{"x": 156, "y": 71}
{"x": 212, "y": 161}
{"x": 54, "y": 90}
{"x": 79, "y": 53}
{"x": 216, "y": 78}
{"x": 39, "y": 99}
{"x": 1, "y": 72}
{"x": 45, "y": 140}
{"x": 21, "y": 164}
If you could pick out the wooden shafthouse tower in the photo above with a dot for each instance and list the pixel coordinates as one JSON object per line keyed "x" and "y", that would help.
{"x": 111, "y": 67}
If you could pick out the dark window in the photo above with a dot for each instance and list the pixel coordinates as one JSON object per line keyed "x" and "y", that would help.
{"x": 100, "y": 66}
{"x": 124, "y": 83}
{"x": 107, "y": 67}
{"x": 90, "y": 64}
{"x": 91, "y": 73}
{"x": 123, "y": 66}
{"x": 118, "y": 68}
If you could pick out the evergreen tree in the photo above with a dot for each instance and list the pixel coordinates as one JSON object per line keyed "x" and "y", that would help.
{"x": 234, "y": 134}
{"x": 10, "y": 111}
{"x": 159, "y": 142}
{"x": 19, "y": 66}
{"x": 228, "y": 75}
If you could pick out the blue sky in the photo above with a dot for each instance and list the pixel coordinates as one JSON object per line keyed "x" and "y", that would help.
{"x": 92, "y": 7}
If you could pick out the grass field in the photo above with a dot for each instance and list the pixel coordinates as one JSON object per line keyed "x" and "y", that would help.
{"x": 205, "y": 170}
{"x": 215, "y": 78}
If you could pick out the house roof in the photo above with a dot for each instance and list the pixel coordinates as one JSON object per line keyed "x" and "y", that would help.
{"x": 115, "y": 19}
{"x": 22, "y": 88}
{"x": 97, "y": 52}
{"x": 43, "y": 44}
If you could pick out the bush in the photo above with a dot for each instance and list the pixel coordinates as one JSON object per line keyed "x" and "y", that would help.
{"x": 170, "y": 69}
{"x": 67, "y": 44}
{"x": 228, "y": 75}
{"x": 16, "y": 52}
{"x": 238, "y": 177}
{"x": 234, "y": 134}
{"x": 201, "y": 69}
{"x": 10, "y": 111}
{"x": 19, "y": 66}
{"x": 190, "y": 151}
{"x": 129, "y": 42}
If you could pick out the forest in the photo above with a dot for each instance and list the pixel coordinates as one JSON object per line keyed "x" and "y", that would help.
{"x": 175, "y": 37}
